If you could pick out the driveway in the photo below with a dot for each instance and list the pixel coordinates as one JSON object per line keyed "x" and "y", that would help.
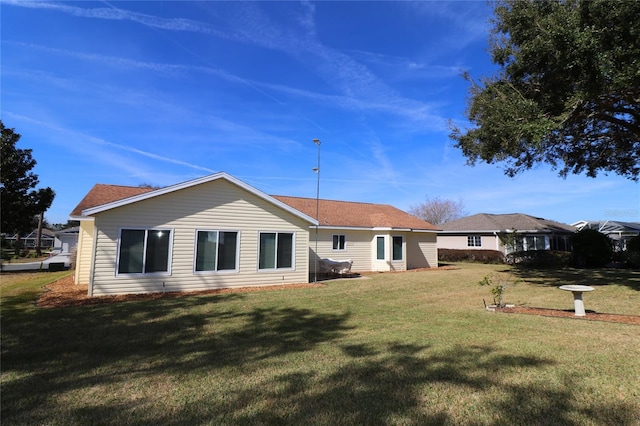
{"x": 64, "y": 258}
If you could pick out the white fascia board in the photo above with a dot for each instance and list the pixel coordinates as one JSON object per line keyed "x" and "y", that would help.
{"x": 509, "y": 231}
{"x": 472, "y": 232}
{"x": 81, "y": 218}
{"x": 194, "y": 182}
{"x": 340, "y": 228}
{"x": 392, "y": 229}
{"x": 364, "y": 228}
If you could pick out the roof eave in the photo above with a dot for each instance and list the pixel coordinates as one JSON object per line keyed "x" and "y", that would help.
{"x": 368, "y": 228}
{"x": 81, "y": 218}
{"x": 468, "y": 231}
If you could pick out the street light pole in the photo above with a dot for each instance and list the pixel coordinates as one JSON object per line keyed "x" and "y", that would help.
{"x": 317, "y": 170}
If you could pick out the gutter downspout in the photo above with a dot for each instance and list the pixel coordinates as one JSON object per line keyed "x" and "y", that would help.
{"x": 92, "y": 266}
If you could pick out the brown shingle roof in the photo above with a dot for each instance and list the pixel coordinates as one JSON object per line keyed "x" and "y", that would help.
{"x": 504, "y": 222}
{"x": 102, "y": 194}
{"x": 360, "y": 215}
{"x": 332, "y": 213}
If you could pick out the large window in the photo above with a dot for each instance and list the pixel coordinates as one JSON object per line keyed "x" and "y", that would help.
{"x": 144, "y": 251}
{"x": 339, "y": 242}
{"x": 397, "y": 248}
{"x": 535, "y": 242}
{"x": 276, "y": 250}
{"x": 474, "y": 241}
{"x": 380, "y": 248}
{"x": 216, "y": 251}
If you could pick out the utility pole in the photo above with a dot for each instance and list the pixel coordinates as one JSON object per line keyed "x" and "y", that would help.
{"x": 317, "y": 170}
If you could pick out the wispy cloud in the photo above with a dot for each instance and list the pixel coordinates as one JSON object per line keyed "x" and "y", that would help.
{"x": 358, "y": 89}
{"x": 359, "y": 86}
{"x": 116, "y": 147}
{"x": 468, "y": 18}
{"x": 114, "y": 13}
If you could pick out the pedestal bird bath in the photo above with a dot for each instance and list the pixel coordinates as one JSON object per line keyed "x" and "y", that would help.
{"x": 577, "y": 290}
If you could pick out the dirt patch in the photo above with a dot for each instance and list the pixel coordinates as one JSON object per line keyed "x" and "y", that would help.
{"x": 590, "y": 315}
{"x": 64, "y": 293}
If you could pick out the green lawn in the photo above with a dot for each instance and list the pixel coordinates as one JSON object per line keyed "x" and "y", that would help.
{"x": 411, "y": 348}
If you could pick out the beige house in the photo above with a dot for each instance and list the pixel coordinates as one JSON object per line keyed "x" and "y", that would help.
{"x": 219, "y": 232}
{"x": 484, "y": 231}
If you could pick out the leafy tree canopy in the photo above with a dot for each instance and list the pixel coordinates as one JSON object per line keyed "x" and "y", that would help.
{"x": 20, "y": 202}
{"x": 567, "y": 93}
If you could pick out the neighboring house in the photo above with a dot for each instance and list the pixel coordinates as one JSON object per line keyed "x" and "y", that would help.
{"x": 218, "y": 232}
{"x": 619, "y": 232}
{"x": 505, "y": 233}
{"x": 68, "y": 239}
{"x": 47, "y": 239}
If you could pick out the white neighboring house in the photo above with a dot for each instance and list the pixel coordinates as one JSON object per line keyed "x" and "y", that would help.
{"x": 47, "y": 239}
{"x": 67, "y": 240}
{"x": 619, "y": 232}
{"x": 485, "y": 231}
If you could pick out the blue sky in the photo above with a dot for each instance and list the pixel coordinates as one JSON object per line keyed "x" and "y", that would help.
{"x": 159, "y": 92}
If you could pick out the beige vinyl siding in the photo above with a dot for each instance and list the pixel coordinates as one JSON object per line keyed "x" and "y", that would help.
{"x": 459, "y": 242}
{"x": 421, "y": 250}
{"x": 84, "y": 252}
{"x": 357, "y": 247}
{"x": 216, "y": 205}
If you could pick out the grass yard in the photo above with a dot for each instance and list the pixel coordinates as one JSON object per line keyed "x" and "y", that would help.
{"x": 412, "y": 348}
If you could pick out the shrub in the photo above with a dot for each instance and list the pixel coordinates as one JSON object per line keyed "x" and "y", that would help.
{"x": 478, "y": 256}
{"x": 632, "y": 254}
{"x": 499, "y": 282}
{"x": 541, "y": 258}
{"x": 633, "y": 245}
{"x": 591, "y": 249}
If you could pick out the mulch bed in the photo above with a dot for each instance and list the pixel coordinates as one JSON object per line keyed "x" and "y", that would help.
{"x": 590, "y": 315}
{"x": 64, "y": 293}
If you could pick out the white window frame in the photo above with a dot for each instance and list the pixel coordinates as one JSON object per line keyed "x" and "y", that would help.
{"x": 342, "y": 242}
{"x": 144, "y": 251}
{"x": 402, "y": 256}
{"x": 536, "y": 238}
{"x": 474, "y": 240}
{"x": 293, "y": 252}
{"x": 384, "y": 247}
{"x": 216, "y": 271}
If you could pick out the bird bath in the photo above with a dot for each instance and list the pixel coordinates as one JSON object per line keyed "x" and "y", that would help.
{"x": 577, "y": 290}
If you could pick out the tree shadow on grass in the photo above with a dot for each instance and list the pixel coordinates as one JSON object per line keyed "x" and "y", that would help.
{"x": 54, "y": 351}
{"x": 393, "y": 387}
{"x": 590, "y": 277}
{"x": 48, "y": 353}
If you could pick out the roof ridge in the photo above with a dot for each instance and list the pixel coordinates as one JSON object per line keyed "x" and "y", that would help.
{"x": 127, "y": 186}
{"x": 335, "y": 201}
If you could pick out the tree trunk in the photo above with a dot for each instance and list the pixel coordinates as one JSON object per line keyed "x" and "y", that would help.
{"x": 17, "y": 244}
{"x": 39, "y": 235}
